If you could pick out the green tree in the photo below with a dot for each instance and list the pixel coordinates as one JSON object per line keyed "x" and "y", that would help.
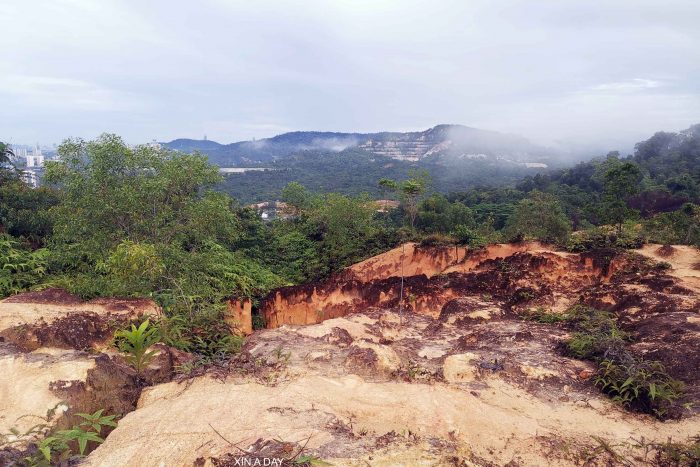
{"x": 24, "y": 211}
{"x": 411, "y": 191}
{"x": 539, "y": 216}
{"x": 620, "y": 182}
{"x": 297, "y": 196}
{"x": 345, "y": 226}
{"x": 113, "y": 193}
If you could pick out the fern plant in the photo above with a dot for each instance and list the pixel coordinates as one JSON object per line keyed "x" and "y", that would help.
{"x": 19, "y": 268}
{"x": 135, "y": 342}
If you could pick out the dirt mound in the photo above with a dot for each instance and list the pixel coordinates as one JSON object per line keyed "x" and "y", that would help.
{"x": 54, "y": 296}
{"x": 665, "y": 251}
{"x": 78, "y": 330}
{"x": 38, "y": 309}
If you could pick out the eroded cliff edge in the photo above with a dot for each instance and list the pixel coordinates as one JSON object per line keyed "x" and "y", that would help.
{"x": 463, "y": 380}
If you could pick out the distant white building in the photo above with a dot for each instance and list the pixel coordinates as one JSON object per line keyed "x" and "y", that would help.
{"x": 35, "y": 159}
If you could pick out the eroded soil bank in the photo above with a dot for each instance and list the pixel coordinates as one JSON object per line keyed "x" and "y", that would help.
{"x": 56, "y": 361}
{"x": 458, "y": 377}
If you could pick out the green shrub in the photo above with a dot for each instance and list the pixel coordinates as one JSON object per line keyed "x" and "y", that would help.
{"x": 470, "y": 237}
{"x": 200, "y": 330}
{"x": 58, "y": 448}
{"x": 133, "y": 268}
{"x": 541, "y": 315}
{"x": 135, "y": 342}
{"x": 636, "y": 383}
{"x": 601, "y": 237}
{"x": 642, "y": 385}
{"x": 596, "y": 333}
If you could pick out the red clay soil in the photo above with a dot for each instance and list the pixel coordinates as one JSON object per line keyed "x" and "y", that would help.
{"x": 480, "y": 271}
{"x": 53, "y": 296}
{"x": 666, "y": 251}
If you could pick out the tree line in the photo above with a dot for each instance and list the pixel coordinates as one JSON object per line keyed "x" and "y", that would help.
{"x": 112, "y": 220}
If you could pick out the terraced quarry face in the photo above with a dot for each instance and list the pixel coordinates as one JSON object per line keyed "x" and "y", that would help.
{"x": 457, "y": 378}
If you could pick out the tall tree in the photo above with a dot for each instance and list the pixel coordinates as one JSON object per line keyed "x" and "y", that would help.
{"x": 539, "y": 216}
{"x": 411, "y": 191}
{"x": 620, "y": 183}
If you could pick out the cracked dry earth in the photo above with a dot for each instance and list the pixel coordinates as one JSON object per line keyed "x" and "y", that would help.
{"x": 456, "y": 378}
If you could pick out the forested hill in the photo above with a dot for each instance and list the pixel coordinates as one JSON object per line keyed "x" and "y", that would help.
{"x": 353, "y": 171}
{"x": 662, "y": 175}
{"x": 453, "y": 141}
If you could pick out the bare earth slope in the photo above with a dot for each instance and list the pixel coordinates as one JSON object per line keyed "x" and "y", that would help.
{"x": 52, "y": 364}
{"x": 457, "y": 378}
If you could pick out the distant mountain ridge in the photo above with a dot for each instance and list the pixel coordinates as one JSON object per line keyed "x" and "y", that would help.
{"x": 451, "y": 142}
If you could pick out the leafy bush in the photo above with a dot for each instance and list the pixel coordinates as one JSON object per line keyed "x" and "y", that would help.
{"x": 468, "y": 236}
{"x": 636, "y": 383}
{"x": 200, "y": 330}
{"x": 19, "y": 268}
{"x": 135, "y": 342}
{"x": 598, "y": 237}
{"x": 437, "y": 239}
{"x": 134, "y": 268}
{"x": 642, "y": 385}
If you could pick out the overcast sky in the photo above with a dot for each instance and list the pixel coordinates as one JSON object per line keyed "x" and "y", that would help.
{"x": 603, "y": 73}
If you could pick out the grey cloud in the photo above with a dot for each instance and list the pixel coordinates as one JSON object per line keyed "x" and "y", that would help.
{"x": 579, "y": 72}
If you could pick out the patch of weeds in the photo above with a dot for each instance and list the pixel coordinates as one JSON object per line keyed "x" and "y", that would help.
{"x": 15, "y": 436}
{"x": 662, "y": 266}
{"x": 200, "y": 330}
{"x": 637, "y": 384}
{"x": 541, "y": 315}
{"x": 643, "y": 452}
{"x": 413, "y": 371}
{"x": 69, "y": 445}
{"x": 281, "y": 357}
{"x": 309, "y": 460}
{"x": 596, "y": 335}
{"x": 677, "y": 453}
{"x": 641, "y": 385}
